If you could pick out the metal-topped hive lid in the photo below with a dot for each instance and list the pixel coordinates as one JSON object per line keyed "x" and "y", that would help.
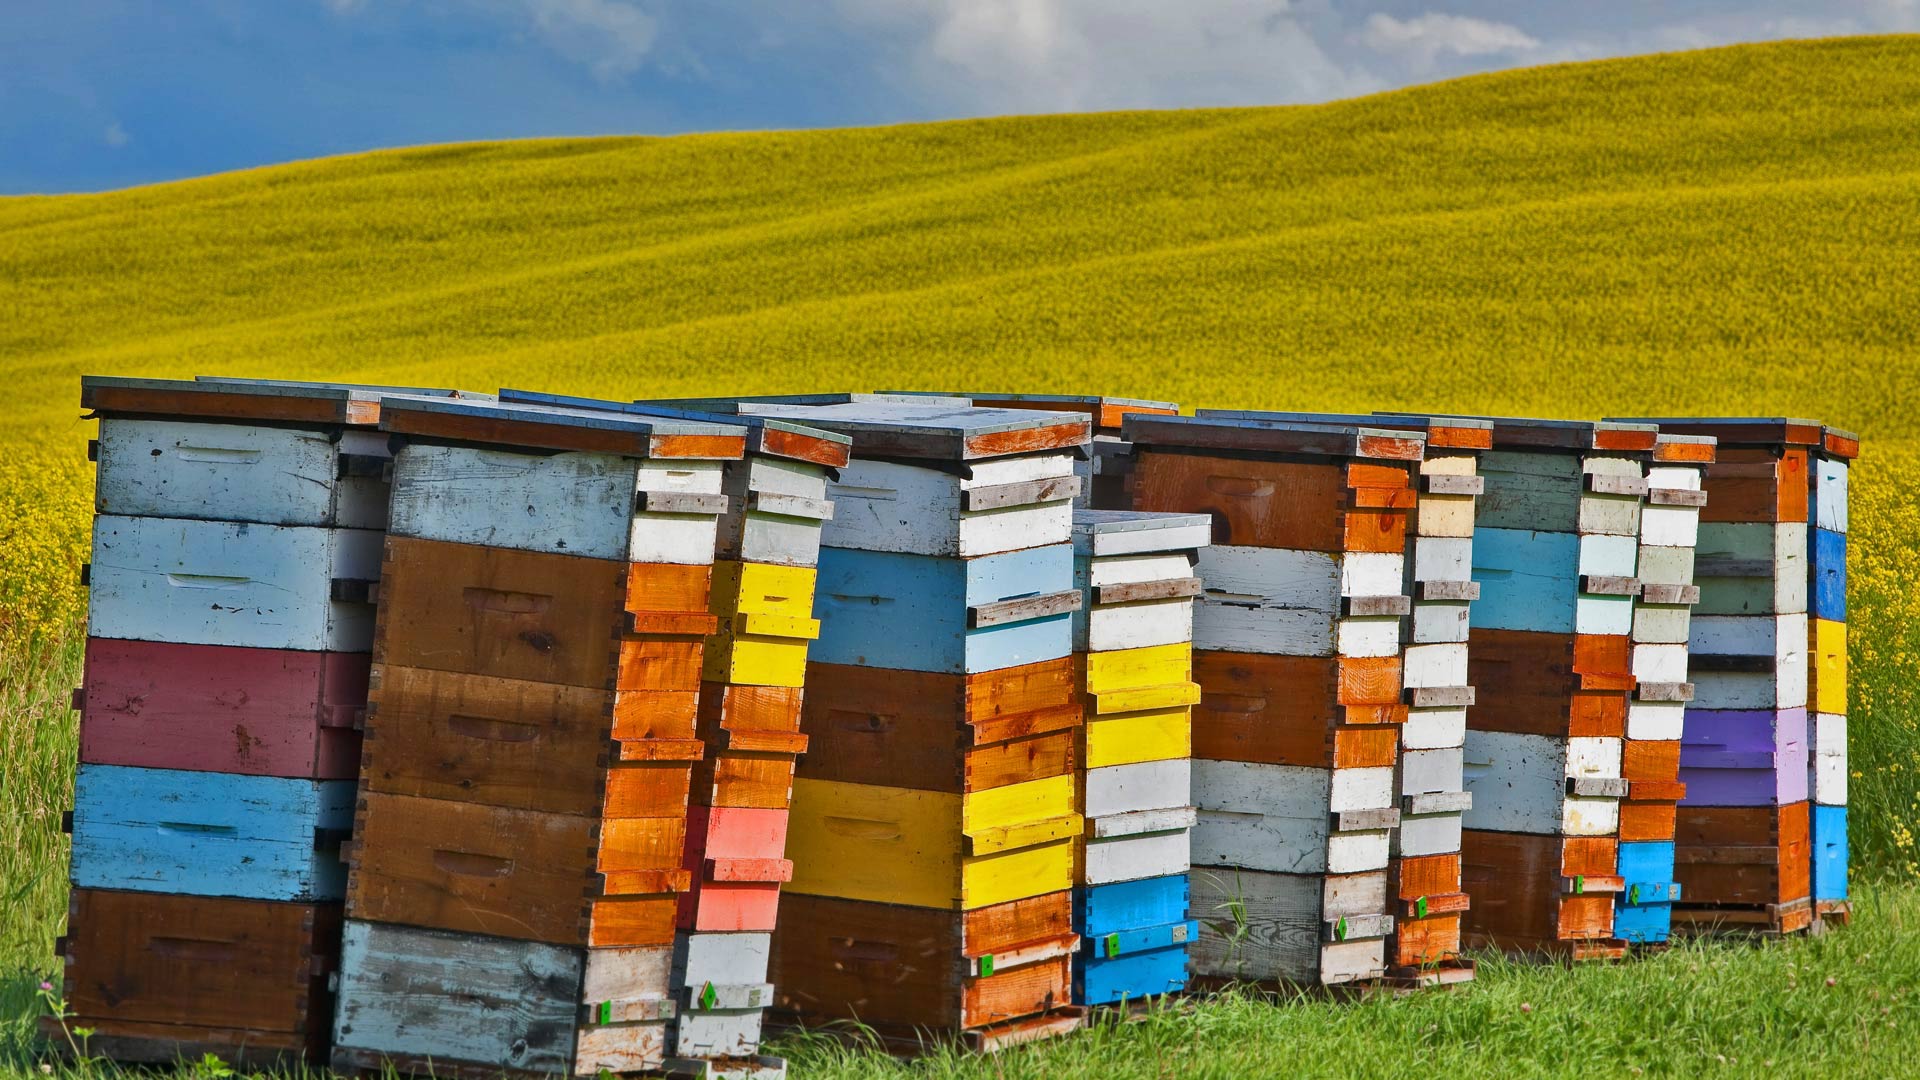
{"x": 731, "y": 404}
{"x": 765, "y": 435}
{"x": 554, "y": 427}
{"x": 1107, "y": 410}
{"x": 248, "y": 400}
{"x": 1752, "y": 431}
{"x": 1448, "y": 431}
{"x": 1526, "y": 432}
{"x": 923, "y": 428}
{"x": 1131, "y": 532}
{"x": 1275, "y": 436}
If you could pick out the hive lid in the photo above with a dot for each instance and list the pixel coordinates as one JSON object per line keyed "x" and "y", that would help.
{"x": 555, "y": 427}
{"x": 1275, "y": 436}
{"x": 1760, "y": 431}
{"x": 248, "y": 400}
{"x": 1456, "y": 432}
{"x": 1107, "y": 411}
{"x": 1532, "y": 433}
{"x": 883, "y": 426}
{"x": 1139, "y": 531}
{"x": 765, "y": 435}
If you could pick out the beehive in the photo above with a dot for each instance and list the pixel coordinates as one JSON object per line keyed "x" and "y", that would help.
{"x": 531, "y": 740}
{"x": 1298, "y": 654}
{"x": 935, "y": 812}
{"x": 1133, "y": 647}
{"x": 234, "y": 558}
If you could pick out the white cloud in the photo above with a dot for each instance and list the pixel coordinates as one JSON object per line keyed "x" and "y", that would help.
{"x": 115, "y": 135}
{"x": 611, "y": 37}
{"x": 1425, "y": 38}
{"x": 1071, "y": 55}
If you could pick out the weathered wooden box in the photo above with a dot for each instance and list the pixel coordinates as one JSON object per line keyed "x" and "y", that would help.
{"x": 1544, "y": 784}
{"x": 1753, "y": 757}
{"x": 1542, "y": 893}
{"x": 219, "y": 708}
{"x": 240, "y": 472}
{"x": 561, "y": 879}
{"x": 911, "y": 972}
{"x": 471, "y": 1006}
{"x": 163, "y": 978}
{"x": 958, "y": 616}
{"x": 1744, "y": 867}
{"x": 1309, "y": 929}
{"x": 227, "y": 583}
{"x": 1749, "y": 661}
{"x": 209, "y": 834}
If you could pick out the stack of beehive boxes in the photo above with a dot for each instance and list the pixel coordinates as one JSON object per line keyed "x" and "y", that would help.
{"x": 1555, "y": 547}
{"x": 1745, "y": 847}
{"x": 1297, "y": 642}
{"x": 1424, "y": 874}
{"x": 751, "y": 689}
{"x": 226, "y": 673}
{"x": 1103, "y": 472}
{"x": 935, "y": 813}
{"x": 1133, "y": 639}
{"x": 517, "y": 866}
{"x": 1662, "y": 616}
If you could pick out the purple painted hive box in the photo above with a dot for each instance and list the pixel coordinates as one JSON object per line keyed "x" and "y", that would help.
{"x": 1744, "y": 757}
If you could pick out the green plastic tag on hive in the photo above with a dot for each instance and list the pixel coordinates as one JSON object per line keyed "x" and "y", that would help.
{"x": 1340, "y": 929}
{"x": 1113, "y": 945}
{"x": 1633, "y": 895}
{"x": 986, "y": 964}
{"x": 1420, "y": 908}
{"x": 1579, "y": 884}
{"x": 606, "y": 1012}
{"x": 708, "y": 997}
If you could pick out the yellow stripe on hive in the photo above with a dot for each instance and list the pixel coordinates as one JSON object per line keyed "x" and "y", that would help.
{"x": 1132, "y": 669}
{"x": 1018, "y": 804}
{"x": 1017, "y": 874}
{"x": 754, "y": 661}
{"x": 868, "y": 842}
{"x": 1170, "y": 696}
{"x": 762, "y": 589}
{"x": 1830, "y": 666}
{"x": 1129, "y": 738}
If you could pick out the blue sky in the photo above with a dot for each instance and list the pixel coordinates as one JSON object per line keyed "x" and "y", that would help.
{"x": 98, "y": 94}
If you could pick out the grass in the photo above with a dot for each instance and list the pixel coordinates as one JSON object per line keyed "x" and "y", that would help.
{"x": 1729, "y": 231}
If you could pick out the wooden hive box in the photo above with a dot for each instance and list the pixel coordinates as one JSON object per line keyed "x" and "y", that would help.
{"x": 939, "y": 710}
{"x": 1135, "y": 571}
{"x": 1299, "y": 638}
{"x": 1424, "y": 872}
{"x": 532, "y": 738}
{"x": 1552, "y": 657}
{"x": 1103, "y": 472}
{"x": 165, "y": 978}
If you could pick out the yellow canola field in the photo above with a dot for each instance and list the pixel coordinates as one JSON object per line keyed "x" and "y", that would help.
{"x": 1731, "y": 231}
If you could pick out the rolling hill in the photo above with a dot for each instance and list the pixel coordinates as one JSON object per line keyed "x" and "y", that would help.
{"x": 1719, "y": 232}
